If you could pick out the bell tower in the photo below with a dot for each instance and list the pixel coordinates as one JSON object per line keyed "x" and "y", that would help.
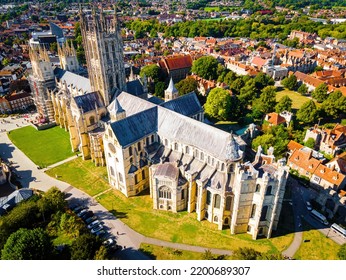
{"x": 104, "y": 53}
{"x": 68, "y": 57}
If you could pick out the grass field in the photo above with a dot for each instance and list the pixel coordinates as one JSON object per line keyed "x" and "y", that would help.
{"x": 319, "y": 246}
{"x": 43, "y": 147}
{"x": 164, "y": 253}
{"x": 212, "y": 9}
{"x": 297, "y": 98}
{"x": 137, "y": 213}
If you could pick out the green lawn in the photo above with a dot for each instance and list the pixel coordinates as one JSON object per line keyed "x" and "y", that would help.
{"x": 212, "y": 9}
{"x": 137, "y": 213}
{"x": 82, "y": 174}
{"x": 319, "y": 246}
{"x": 164, "y": 253}
{"x": 43, "y": 147}
{"x": 297, "y": 98}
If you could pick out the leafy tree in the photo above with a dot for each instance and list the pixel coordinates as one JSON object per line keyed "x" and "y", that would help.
{"x": 52, "y": 201}
{"x": 53, "y": 47}
{"x": 303, "y": 89}
{"x": 290, "y": 82}
{"x": 187, "y": 85}
{"x": 245, "y": 254}
{"x": 6, "y": 61}
{"x": 342, "y": 252}
{"x": 284, "y": 104}
{"x": 101, "y": 254}
{"x": 218, "y": 104}
{"x": 230, "y": 78}
{"x": 160, "y": 89}
{"x": 267, "y": 100}
{"x": 152, "y": 72}
{"x": 248, "y": 93}
{"x": 84, "y": 247}
{"x": 237, "y": 85}
{"x": 334, "y": 105}
{"x": 318, "y": 68}
{"x": 25, "y": 244}
{"x": 205, "y": 67}
{"x": 308, "y": 112}
{"x": 310, "y": 143}
{"x": 320, "y": 93}
{"x": 263, "y": 80}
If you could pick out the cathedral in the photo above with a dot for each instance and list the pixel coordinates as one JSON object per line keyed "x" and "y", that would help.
{"x": 160, "y": 145}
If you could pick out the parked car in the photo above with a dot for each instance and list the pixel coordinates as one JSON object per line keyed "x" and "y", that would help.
{"x": 83, "y": 212}
{"x": 109, "y": 242}
{"x": 90, "y": 219}
{"x": 78, "y": 208}
{"x": 87, "y": 215}
{"x": 101, "y": 233}
{"x": 308, "y": 206}
{"x": 94, "y": 224}
{"x": 96, "y": 228}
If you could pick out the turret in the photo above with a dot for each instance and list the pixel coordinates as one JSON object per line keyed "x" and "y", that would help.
{"x": 171, "y": 92}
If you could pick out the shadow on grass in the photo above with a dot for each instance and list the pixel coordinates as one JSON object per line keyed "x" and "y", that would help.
{"x": 148, "y": 253}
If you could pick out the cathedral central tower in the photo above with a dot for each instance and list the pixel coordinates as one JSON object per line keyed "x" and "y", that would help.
{"x": 104, "y": 53}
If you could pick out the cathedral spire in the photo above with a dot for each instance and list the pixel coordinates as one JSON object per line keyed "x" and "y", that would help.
{"x": 171, "y": 92}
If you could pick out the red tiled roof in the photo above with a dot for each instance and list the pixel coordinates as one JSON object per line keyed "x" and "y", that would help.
{"x": 275, "y": 119}
{"x": 293, "y": 145}
{"x": 259, "y": 62}
{"x": 176, "y": 62}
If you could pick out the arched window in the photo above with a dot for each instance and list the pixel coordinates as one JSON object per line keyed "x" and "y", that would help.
{"x": 139, "y": 146}
{"x": 264, "y": 213}
{"x": 111, "y": 170}
{"x": 130, "y": 151}
{"x": 222, "y": 166}
{"x": 228, "y": 202}
{"x": 187, "y": 149}
{"x": 111, "y": 82}
{"x": 166, "y": 142}
{"x": 253, "y": 211}
{"x": 202, "y": 156}
{"x": 176, "y": 146}
{"x": 226, "y": 222}
{"x": 216, "y": 219}
{"x": 165, "y": 192}
{"x": 258, "y": 188}
{"x": 152, "y": 139}
{"x": 91, "y": 120}
{"x": 120, "y": 177}
{"x": 269, "y": 190}
{"x": 208, "y": 197}
{"x": 217, "y": 201}
{"x": 143, "y": 174}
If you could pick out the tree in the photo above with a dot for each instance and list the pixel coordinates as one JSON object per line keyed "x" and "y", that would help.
{"x": 218, "y": 104}
{"x": 290, "y": 82}
{"x": 84, "y": 247}
{"x": 334, "y": 105}
{"x": 53, "y": 47}
{"x": 230, "y": 78}
{"x": 245, "y": 254}
{"x": 263, "y": 80}
{"x": 248, "y": 93}
{"x": 160, "y": 89}
{"x": 267, "y": 100}
{"x": 101, "y": 254}
{"x": 152, "y": 72}
{"x": 303, "y": 89}
{"x": 308, "y": 112}
{"x": 310, "y": 143}
{"x": 186, "y": 86}
{"x": 52, "y": 201}
{"x": 237, "y": 85}
{"x": 205, "y": 67}
{"x": 284, "y": 104}
{"x": 342, "y": 252}
{"x": 25, "y": 244}
{"x": 6, "y": 61}
{"x": 320, "y": 93}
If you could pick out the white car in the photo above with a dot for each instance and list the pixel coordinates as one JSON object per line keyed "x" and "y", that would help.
{"x": 94, "y": 224}
{"x": 308, "y": 206}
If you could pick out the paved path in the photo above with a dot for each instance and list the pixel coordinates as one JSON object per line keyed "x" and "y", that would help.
{"x": 130, "y": 240}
